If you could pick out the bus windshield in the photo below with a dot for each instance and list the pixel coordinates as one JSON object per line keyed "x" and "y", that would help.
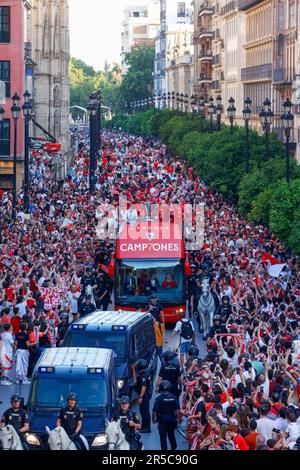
{"x": 50, "y": 391}
{"x": 137, "y": 280}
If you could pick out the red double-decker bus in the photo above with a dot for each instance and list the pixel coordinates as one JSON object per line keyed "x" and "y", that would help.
{"x": 152, "y": 264}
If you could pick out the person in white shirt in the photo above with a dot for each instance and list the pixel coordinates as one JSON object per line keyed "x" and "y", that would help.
{"x": 6, "y": 353}
{"x": 265, "y": 425}
{"x": 292, "y": 431}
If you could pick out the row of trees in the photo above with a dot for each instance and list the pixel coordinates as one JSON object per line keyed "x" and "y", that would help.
{"x": 116, "y": 89}
{"x": 262, "y": 195}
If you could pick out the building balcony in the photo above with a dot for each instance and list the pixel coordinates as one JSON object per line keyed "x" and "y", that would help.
{"x": 206, "y": 9}
{"x": 245, "y": 4}
{"x": 257, "y": 73}
{"x": 205, "y": 55}
{"x": 205, "y": 32}
{"x": 205, "y": 77}
{"x": 284, "y": 76}
{"x": 217, "y": 59}
{"x": 229, "y": 7}
{"x": 216, "y": 85}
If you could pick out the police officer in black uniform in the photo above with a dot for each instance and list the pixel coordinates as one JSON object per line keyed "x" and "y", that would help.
{"x": 88, "y": 279}
{"x": 171, "y": 372}
{"x": 62, "y": 328}
{"x": 218, "y": 327}
{"x": 166, "y": 412}
{"x": 192, "y": 290}
{"x": 143, "y": 387}
{"x": 130, "y": 423}
{"x": 225, "y": 309}
{"x": 86, "y": 307}
{"x": 16, "y": 417}
{"x": 70, "y": 418}
{"x": 155, "y": 308}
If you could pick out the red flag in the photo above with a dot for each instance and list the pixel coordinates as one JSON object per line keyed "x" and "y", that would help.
{"x": 265, "y": 258}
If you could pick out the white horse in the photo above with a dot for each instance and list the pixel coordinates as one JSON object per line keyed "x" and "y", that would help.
{"x": 59, "y": 440}
{"x": 206, "y": 307}
{"x": 116, "y": 437}
{"x": 9, "y": 439}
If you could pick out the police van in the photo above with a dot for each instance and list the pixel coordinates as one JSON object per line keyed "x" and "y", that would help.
{"x": 88, "y": 372}
{"x": 129, "y": 334}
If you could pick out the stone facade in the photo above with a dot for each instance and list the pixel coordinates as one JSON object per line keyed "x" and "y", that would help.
{"x": 51, "y": 52}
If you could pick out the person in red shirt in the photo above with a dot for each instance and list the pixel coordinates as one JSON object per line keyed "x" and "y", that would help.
{"x": 238, "y": 440}
{"x": 251, "y": 437}
{"x": 5, "y": 318}
{"x": 169, "y": 282}
{"x": 16, "y": 320}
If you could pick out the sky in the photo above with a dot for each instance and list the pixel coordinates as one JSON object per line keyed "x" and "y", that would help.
{"x": 95, "y": 29}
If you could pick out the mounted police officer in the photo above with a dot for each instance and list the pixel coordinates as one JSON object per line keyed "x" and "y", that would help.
{"x": 143, "y": 387}
{"x": 171, "y": 372}
{"x": 16, "y": 417}
{"x": 70, "y": 419}
{"x": 166, "y": 412}
{"x": 130, "y": 423}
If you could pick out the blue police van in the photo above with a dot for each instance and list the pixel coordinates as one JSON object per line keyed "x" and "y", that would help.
{"x": 88, "y": 372}
{"x": 129, "y": 334}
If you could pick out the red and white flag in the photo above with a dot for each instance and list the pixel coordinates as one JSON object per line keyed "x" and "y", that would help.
{"x": 273, "y": 265}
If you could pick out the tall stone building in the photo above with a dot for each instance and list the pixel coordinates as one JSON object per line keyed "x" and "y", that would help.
{"x": 51, "y": 53}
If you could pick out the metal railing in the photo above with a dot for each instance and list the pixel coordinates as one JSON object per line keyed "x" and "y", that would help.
{"x": 217, "y": 59}
{"x": 257, "y": 72}
{"x": 245, "y": 4}
{"x": 229, "y": 7}
{"x": 284, "y": 75}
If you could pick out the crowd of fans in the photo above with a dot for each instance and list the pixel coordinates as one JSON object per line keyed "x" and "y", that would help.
{"x": 244, "y": 394}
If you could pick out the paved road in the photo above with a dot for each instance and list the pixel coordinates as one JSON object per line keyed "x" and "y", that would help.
{"x": 151, "y": 441}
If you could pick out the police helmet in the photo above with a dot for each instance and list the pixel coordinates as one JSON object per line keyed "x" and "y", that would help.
{"x": 15, "y": 398}
{"x": 217, "y": 318}
{"x": 141, "y": 364}
{"x": 125, "y": 400}
{"x": 64, "y": 316}
{"x": 168, "y": 355}
{"x": 72, "y": 396}
{"x": 225, "y": 297}
{"x": 193, "y": 351}
{"x": 165, "y": 386}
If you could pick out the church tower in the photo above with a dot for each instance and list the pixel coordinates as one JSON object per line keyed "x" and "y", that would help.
{"x": 51, "y": 53}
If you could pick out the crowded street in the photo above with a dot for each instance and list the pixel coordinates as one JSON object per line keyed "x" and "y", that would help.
{"x": 236, "y": 390}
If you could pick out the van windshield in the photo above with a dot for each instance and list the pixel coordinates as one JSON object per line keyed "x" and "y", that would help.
{"x": 52, "y": 392}
{"x": 98, "y": 339}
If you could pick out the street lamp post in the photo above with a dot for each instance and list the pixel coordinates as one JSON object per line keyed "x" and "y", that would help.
{"x": 246, "y": 115}
{"x": 266, "y": 118}
{"x": 219, "y": 109}
{"x": 231, "y": 110}
{"x": 211, "y": 110}
{"x": 201, "y": 111}
{"x": 287, "y": 122}
{"x": 15, "y": 110}
{"x": 181, "y": 102}
{"x": 92, "y": 113}
{"x": 26, "y": 108}
{"x": 173, "y": 100}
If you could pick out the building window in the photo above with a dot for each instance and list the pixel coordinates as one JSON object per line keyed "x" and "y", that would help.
{"x": 5, "y": 76}
{"x": 136, "y": 14}
{"x": 292, "y": 14}
{"x": 5, "y": 137}
{"x": 4, "y": 24}
{"x": 181, "y": 9}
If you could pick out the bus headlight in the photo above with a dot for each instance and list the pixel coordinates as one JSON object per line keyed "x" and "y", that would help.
{"x": 32, "y": 439}
{"x": 100, "y": 440}
{"x": 120, "y": 384}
